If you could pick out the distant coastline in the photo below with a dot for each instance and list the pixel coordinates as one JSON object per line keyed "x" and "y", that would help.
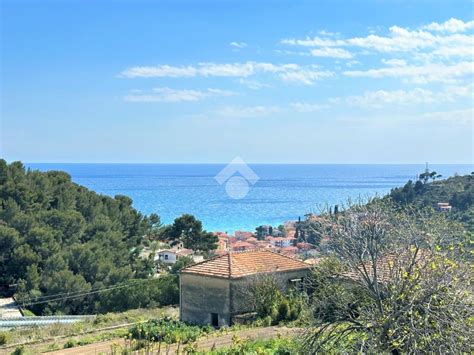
{"x": 284, "y": 191}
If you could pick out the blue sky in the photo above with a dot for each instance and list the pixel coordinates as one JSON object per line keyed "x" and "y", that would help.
{"x": 205, "y": 81}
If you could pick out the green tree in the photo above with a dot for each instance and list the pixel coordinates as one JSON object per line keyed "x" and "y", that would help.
{"x": 402, "y": 285}
{"x": 181, "y": 263}
{"x": 57, "y": 236}
{"x": 188, "y": 230}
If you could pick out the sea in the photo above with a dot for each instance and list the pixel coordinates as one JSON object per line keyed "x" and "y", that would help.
{"x": 281, "y": 192}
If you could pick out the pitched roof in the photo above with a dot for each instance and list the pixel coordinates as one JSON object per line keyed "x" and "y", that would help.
{"x": 238, "y": 264}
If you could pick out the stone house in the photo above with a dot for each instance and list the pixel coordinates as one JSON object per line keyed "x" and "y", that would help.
{"x": 213, "y": 291}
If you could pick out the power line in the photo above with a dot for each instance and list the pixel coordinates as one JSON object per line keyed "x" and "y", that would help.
{"x": 77, "y": 294}
{"x": 72, "y": 293}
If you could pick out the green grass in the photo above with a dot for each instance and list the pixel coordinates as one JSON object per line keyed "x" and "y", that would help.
{"x": 28, "y": 313}
{"x": 270, "y": 347}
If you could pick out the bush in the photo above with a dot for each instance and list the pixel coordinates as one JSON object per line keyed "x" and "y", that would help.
{"x": 264, "y": 322}
{"x": 103, "y": 318}
{"x": 283, "y": 310}
{"x": 71, "y": 343}
{"x": 271, "y": 346}
{"x": 4, "y": 338}
{"x": 19, "y": 350}
{"x": 167, "y": 330}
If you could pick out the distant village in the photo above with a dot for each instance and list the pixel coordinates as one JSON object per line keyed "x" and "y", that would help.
{"x": 285, "y": 239}
{"x": 289, "y": 239}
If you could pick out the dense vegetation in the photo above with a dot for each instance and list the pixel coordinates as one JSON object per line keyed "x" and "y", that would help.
{"x": 71, "y": 250}
{"x": 168, "y": 331}
{"x": 277, "y": 346}
{"x": 458, "y": 191}
{"x": 396, "y": 281}
{"x": 187, "y": 230}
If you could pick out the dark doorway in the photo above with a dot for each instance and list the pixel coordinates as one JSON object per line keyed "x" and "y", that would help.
{"x": 215, "y": 319}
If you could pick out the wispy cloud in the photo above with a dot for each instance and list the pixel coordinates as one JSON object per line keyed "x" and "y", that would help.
{"x": 452, "y": 25}
{"x": 253, "y": 84}
{"x": 306, "y": 76}
{"x": 247, "y": 111}
{"x": 207, "y": 69}
{"x": 239, "y": 45}
{"x": 289, "y": 71}
{"x": 379, "y": 99}
{"x": 447, "y": 39}
{"x": 331, "y": 52}
{"x": 420, "y": 74}
{"x": 166, "y": 94}
{"x": 307, "y": 107}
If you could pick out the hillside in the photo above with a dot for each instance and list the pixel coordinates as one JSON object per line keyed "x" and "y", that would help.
{"x": 63, "y": 245}
{"x": 457, "y": 190}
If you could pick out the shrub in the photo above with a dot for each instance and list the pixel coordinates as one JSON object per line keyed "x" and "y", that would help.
{"x": 70, "y": 344}
{"x": 264, "y": 322}
{"x": 167, "y": 330}
{"x": 3, "y": 338}
{"x": 283, "y": 310}
{"x": 19, "y": 350}
{"x": 271, "y": 346}
{"x": 103, "y": 318}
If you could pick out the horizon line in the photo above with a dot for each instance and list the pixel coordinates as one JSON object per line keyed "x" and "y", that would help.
{"x": 224, "y": 163}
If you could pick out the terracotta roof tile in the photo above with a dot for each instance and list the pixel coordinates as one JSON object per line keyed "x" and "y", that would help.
{"x": 235, "y": 265}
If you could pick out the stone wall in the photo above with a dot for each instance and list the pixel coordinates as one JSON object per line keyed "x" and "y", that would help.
{"x": 200, "y": 296}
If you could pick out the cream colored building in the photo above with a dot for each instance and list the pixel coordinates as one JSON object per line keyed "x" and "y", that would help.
{"x": 213, "y": 291}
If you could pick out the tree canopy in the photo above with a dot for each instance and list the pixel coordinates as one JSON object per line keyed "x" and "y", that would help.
{"x": 398, "y": 281}
{"x": 59, "y": 238}
{"x": 188, "y": 230}
{"x": 458, "y": 191}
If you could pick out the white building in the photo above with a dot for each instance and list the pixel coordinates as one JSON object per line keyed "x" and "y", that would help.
{"x": 170, "y": 256}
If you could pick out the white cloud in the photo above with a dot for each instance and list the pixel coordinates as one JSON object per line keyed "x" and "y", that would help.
{"x": 395, "y": 62}
{"x": 253, "y": 84}
{"x": 247, "y": 111}
{"x": 306, "y": 77}
{"x": 239, "y": 45}
{"x": 380, "y": 98}
{"x": 420, "y": 74}
{"x": 166, "y": 94}
{"x": 331, "y": 52}
{"x": 288, "y": 72}
{"x": 432, "y": 41}
{"x": 208, "y": 69}
{"x": 451, "y": 25}
{"x": 159, "y": 71}
{"x": 313, "y": 42}
{"x": 351, "y": 63}
{"x": 307, "y": 107}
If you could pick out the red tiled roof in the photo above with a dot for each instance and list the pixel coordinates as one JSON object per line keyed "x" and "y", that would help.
{"x": 235, "y": 265}
{"x": 240, "y": 244}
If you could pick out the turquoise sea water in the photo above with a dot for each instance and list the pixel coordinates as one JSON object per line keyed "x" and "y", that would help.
{"x": 282, "y": 193}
